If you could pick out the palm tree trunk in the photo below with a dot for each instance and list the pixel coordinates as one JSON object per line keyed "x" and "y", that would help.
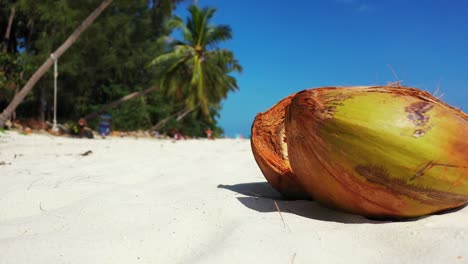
{"x": 6, "y": 40}
{"x": 120, "y": 101}
{"x": 48, "y": 63}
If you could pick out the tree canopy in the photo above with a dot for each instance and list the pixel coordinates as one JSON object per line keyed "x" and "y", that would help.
{"x": 110, "y": 60}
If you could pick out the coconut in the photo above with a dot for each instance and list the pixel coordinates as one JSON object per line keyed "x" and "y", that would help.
{"x": 382, "y": 152}
{"x": 271, "y": 153}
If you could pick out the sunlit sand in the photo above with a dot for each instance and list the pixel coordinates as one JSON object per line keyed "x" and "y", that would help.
{"x": 128, "y": 200}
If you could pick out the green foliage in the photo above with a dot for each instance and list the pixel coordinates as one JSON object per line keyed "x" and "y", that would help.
{"x": 9, "y": 74}
{"x": 108, "y": 62}
{"x": 195, "y": 69}
{"x": 131, "y": 115}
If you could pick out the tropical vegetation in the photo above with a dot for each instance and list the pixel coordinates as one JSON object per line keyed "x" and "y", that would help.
{"x": 129, "y": 49}
{"x": 196, "y": 69}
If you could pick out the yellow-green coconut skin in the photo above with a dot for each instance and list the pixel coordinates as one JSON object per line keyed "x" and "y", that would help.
{"x": 381, "y": 152}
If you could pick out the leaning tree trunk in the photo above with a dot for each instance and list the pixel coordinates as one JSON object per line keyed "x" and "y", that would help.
{"x": 178, "y": 116}
{"x": 164, "y": 121}
{"x": 185, "y": 113}
{"x": 48, "y": 63}
{"x": 6, "y": 40}
{"x": 120, "y": 101}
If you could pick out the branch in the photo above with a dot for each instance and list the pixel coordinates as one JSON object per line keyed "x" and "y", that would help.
{"x": 180, "y": 115}
{"x": 120, "y": 101}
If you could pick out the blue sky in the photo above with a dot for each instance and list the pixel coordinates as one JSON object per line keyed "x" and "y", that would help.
{"x": 287, "y": 46}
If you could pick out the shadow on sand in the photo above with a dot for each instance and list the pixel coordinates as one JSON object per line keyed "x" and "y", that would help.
{"x": 261, "y": 197}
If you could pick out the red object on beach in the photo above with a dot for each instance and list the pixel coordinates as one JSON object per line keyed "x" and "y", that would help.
{"x": 209, "y": 133}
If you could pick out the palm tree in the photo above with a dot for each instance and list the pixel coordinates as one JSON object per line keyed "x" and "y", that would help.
{"x": 195, "y": 70}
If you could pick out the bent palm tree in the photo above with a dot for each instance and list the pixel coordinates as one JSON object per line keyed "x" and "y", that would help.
{"x": 196, "y": 71}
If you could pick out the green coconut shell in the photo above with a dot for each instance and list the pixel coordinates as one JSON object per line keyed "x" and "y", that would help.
{"x": 380, "y": 151}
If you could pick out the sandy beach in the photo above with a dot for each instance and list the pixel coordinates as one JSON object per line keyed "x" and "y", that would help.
{"x": 129, "y": 200}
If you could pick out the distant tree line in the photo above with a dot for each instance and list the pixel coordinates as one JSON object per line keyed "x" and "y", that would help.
{"x": 125, "y": 64}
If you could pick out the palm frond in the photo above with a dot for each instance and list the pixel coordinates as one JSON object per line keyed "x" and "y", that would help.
{"x": 218, "y": 34}
{"x": 179, "y": 52}
{"x": 226, "y": 59}
{"x": 175, "y": 23}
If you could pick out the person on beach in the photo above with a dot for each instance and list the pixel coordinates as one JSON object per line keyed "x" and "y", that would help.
{"x": 177, "y": 134}
{"x": 209, "y": 133}
{"x": 80, "y": 129}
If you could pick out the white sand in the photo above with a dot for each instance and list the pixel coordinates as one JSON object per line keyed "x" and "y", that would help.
{"x": 155, "y": 201}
